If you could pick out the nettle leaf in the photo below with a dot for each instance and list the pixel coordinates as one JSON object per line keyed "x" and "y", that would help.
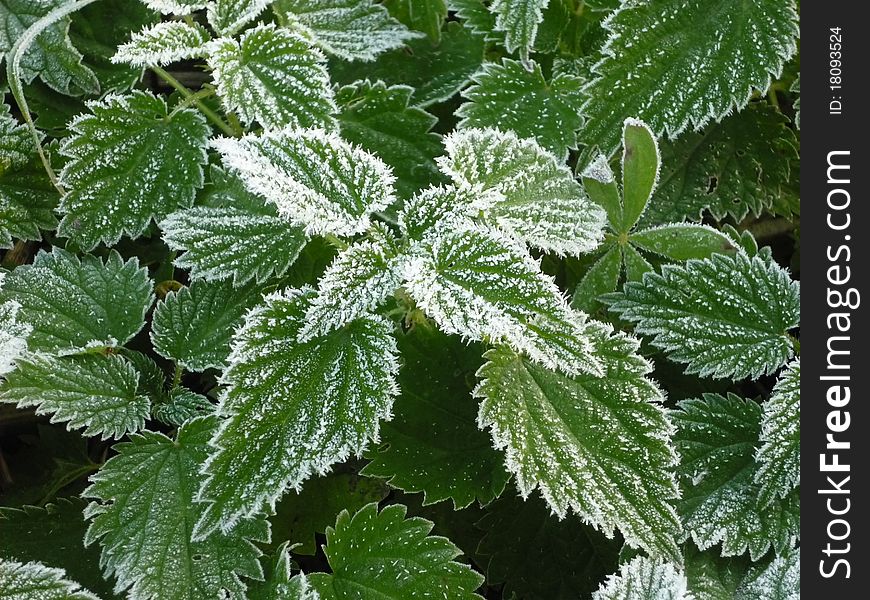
{"x": 645, "y": 579}
{"x": 483, "y": 285}
{"x": 74, "y": 302}
{"x": 737, "y": 167}
{"x": 477, "y": 18}
{"x": 176, "y": 7}
{"x": 29, "y": 581}
{"x": 129, "y": 163}
{"x": 596, "y": 444}
{"x": 273, "y": 76}
{"x": 680, "y": 64}
{"x": 796, "y": 89}
{"x": 508, "y": 96}
{"x": 52, "y": 56}
{"x": 27, "y": 200}
{"x": 779, "y": 456}
{"x": 13, "y": 335}
{"x": 193, "y": 325}
{"x": 93, "y": 391}
{"x": 359, "y": 279}
{"x": 348, "y": 29}
{"x": 380, "y": 119}
{"x": 280, "y": 584}
{"x": 779, "y": 580}
{"x": 532, "y": 195}
{"x": 182, "y": 406}
{"x": 16, "y": 143}
{"x": 432, "y": 444}
{"x": 384, "y": 555}
{"x": 716, "y": 439}
{"x": 240, "y": 237}
{"x": 423, "y": 15}
{"x": 142, "y": 514}
{"x": 430, "y": 208}
{"x": 725, "y": 316}
{"x": 316, "y": 179}
{"x": 292, "y": 409}
{"x": 436, "y": 72}
{"x": 162, "y": 44}
{"x": 519, "y": 19}
{"x": 229, "y": 16}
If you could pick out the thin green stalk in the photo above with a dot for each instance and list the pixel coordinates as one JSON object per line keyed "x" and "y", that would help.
{"x": 192, "y": 100}
{"x": 209, "y": 113}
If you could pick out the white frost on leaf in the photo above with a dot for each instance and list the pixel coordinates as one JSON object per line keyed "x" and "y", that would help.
{"x": 230, "y": 16}
{"x": 13, "y": 335}
{"x": 599, "y": 170}
{"x": 317, "y": 180}
{"x": 175, "y": 7}
{"x": 162, "y": 44}
{"x": 779, "y": 456}
{"x": 273, "y": 76}
{"x": 35, "y": 581}
{"x": 519, "y": 20}
{"x": 645, "y": 579}
{"x": 779, "y": 580}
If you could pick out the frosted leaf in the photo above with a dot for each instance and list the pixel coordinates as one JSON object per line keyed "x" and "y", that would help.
{"x": 716, "y": 440}
{"x": 432, "y": 444}
{"x": 384, "y": 555}
{"x": 598, "y": 445}
{"x": 129, "y": 163}
{"x": 738, "y": 167}
{"x": 435, "y": 205}
{"x": 175, "y": 7}
{"x": 142, "y": 513}
{"x": 519, "y": 19}
{"x": 91, "y": 391}
{"x": 683, "y": 241}
{"x": 293, "y": 409}
{"x": 280, "y": 584}
{"x": 358, "y": 280}
{"x": 273, "y": 76}
{"x": 727, "y": 316}
{"x": 348, "y": 29}
{"x": 645, "y": 579}
{"x": 35, "y": 581}
{"x": 13, "y": 335}
{"x": 229, "y": 16}
{"x": 680, "y": 64}
{"x": 508, "y": 96}
{"x": 182, "y": 406}
{"x": 16, "y": 142}
{"x": 74, "y": 302}
{"x": 640, "y": 170}
{"x": 600, "y": 278}
{"x": 481, "y": 284}
{"x": 238, "y": 236}
{"x": 427, "y": 16}
{"x": 796, "y": 89}
{"x": 316, "y": 179}
{"x": 477, "y": 18}
{"x": 779, "y": 580}
{"x": 779, "y": 456}
{"x": 52, "y": 56}
{"x": 533, "y": 196}
{"x": 381, "y": 120}
{"x": 193, "y": 325}
{"x": 162, "y": 44}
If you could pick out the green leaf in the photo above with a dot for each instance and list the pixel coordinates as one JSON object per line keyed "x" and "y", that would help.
{"x": 596, "y": 444}
{"x": 176, "y": 7}
{"x": 519, "y": 19}
{"x": 316, "y": 179}
{"x": 636, "y": 266}
{"x": 779, "y": 456}
{"x": 724, "y": 316}
{"x": 733, "y": 168}
{"x": 679, "y": 64}
{"x": 182, "y": 406}
{"x": 683, "y": 241}
{"x": 716, "y": 439}
{"x": 142, "y": 513}
{"x": 600, "y": 183}
{"x": 110, "y": 192}
{"x": 481, "y": 284}
{"x": 273, "y": 76}
{"x": 380, "y": 119}
{"x": 230, "y": 16}
{"x": 27, "y": 201}
{"x": 293, "y": 409}
{"x": 280, "y": 583}
{"x": 640, "y": 170}
{"x": 423, "y": 15}
{"x": 53, "y": 534}
{"x": 779, "y": 580}
{"x": 529, "y": 193}
{"x": 74, "y": 302}
{"x": 509, "y": 96}
{"x": 51, "y": 56}
{"x": 16, "y": 143}
{"x": 645, "y": 579}
{"x": 477, "y": 18}
{"x": 92, "y": 391}
{"x": 300, "y": 515}
{"x": 239, "y": 237}
{"x": 712, "y": 577}
{"x": 162, "y": 44}
{"x": 19, "y": 581}
{"x": 436, "y": 72}
{"x": 193, "y": 325}
{"x": 539, "y": 556}
{"x": 601, "y": 278}
{"x": 432, "y": 444}
{"x": 383, "y": 555}
{"x": 13, "y": 335}
{"x": 348, "y": 29}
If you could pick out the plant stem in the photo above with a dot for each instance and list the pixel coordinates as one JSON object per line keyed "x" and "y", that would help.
{"x": 771, "y": 95}
{"x": 188, "y": 95}
{"x": 176, "y": 377}
{"x": 335, "y": 241}
{"x": 191, "y": 100}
